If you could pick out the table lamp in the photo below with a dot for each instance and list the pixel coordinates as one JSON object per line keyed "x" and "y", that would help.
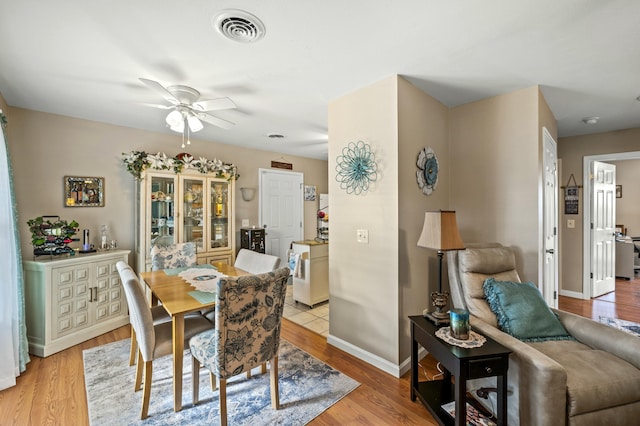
{"x": 440, "y": 233}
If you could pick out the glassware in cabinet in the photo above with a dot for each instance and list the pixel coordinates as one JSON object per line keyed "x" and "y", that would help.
{"x": 185, "y": 207}
{"x": 162, "y": 210}
{"x": 193, "y": 210}
{"x": 219, "y": 206}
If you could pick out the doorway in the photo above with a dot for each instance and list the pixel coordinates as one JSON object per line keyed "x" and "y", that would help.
{"x": 587, "y": 240}
{"x": 280, "y": 210}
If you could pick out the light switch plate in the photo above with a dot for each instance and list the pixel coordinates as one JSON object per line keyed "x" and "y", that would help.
{"x": 245, "y": 223}
{"x": 362, "y": 236}
{"x": 571, "y": 223}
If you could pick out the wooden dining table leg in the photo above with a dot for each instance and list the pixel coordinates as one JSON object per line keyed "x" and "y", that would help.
{"x": 178, "y": 353}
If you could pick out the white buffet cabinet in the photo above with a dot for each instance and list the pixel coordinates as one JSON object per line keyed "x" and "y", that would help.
{"x": 72, "y": 299}
{"x": 312, "y": 285}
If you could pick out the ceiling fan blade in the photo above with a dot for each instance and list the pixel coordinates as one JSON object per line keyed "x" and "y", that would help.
{"x": 161, "y": 90}
{"x": 160, "y": 106}
{"x": 214, "y": 104}
{"x": 216, "y": 121}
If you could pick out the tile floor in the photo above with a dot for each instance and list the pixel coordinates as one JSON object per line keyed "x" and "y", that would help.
{"x": 316, "y": 319}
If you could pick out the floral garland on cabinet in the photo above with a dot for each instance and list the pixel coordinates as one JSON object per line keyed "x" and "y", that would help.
{"x": 138, "y": 161}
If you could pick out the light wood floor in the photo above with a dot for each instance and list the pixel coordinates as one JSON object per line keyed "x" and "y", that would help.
{"x": 51, "y": 391}
{"x": 624, "y": 303}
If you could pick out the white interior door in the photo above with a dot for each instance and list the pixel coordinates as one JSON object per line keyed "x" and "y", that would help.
{"x": 280, "y": 210}
{"x": 603, "y": 213}
{"x": 550, "y": 223}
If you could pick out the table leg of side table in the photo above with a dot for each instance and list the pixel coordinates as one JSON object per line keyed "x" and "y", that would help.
{"x": 501, "y": 412}
{"x": 414, "y": 365}
{"x": 461, "y": 399}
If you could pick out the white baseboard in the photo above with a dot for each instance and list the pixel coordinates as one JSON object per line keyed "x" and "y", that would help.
{"x": 573, "y": 294}
{"x": 406, "y": 364}
{"x": 375, "y": 360}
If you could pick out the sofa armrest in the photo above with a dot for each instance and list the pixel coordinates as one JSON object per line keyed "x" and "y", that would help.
{"x": 601, "y": 336}
{"x": 541, "y": 382}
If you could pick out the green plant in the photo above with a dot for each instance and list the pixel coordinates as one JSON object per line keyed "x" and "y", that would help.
{"x": 136, "y": 162}
{"x": 139, "y": 161}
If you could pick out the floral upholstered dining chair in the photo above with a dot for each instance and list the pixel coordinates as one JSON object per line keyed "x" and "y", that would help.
{"x": 248, "y": 318}
{"x": 173, "y": 256}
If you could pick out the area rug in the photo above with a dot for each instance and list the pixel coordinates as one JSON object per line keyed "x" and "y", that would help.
{"x": 628, "y": 326}
{"x": 307, "y": 388}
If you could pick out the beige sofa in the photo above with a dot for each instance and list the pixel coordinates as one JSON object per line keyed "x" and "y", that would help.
{"x": 592, "y": 380}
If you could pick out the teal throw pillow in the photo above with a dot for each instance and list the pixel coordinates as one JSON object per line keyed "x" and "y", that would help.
{"x": 522, "y": 312}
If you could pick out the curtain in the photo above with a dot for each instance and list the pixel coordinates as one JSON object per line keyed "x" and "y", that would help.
{"x": 14, "y": 348}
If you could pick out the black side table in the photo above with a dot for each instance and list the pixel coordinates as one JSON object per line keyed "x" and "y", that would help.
{"x": 491, "y": 359}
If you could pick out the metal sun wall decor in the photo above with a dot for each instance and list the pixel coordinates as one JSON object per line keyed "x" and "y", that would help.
{"x": 427, "y": 176}
{"x": 356, "y": 168}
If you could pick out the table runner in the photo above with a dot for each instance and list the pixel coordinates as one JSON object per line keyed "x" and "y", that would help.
{"x": 202, "y": 279}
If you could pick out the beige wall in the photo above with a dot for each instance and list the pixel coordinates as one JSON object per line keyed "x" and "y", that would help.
{"x": 496, "y": 167}
{"x": 572, "y": 150}
{"x": 46, "y": 147}
{"x": 490, "y": 156}
{"x": 546, "y": 119}
{"x": 3, "y": 104}
{"x": 422, "y": 122}
{"x": 628, "y": 206}
{"x": 363, "y": 278}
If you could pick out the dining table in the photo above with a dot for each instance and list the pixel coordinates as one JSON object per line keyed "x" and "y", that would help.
{"x": 173, "y": 292}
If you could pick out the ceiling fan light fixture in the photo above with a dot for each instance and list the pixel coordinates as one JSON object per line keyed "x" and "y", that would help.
{"x": 195, "y": 125}
{"x": 178, "y": 127}
{"x": 174, "y": 119}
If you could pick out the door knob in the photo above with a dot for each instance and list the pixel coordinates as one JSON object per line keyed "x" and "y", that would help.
{"x": 550, "y": 251}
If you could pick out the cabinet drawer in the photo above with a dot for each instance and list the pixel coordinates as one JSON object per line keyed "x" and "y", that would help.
{"x": 487, "y": 367}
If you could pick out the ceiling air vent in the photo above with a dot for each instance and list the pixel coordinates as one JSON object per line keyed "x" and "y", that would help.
{"x": 238, "y": 25}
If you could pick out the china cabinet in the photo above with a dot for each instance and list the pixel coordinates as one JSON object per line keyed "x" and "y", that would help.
{"x": 185, "y": 207}
{"x": 70, "y": 299}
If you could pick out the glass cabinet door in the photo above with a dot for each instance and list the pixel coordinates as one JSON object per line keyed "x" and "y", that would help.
{"x": 162, "y": 210}
{"x": 219, "y": 208}
{"x": 194, "y": 211}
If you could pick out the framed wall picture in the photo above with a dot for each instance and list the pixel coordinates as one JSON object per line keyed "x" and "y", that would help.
{"x": 83, "y": 191}
{"x": 309, "y": 193}
{"x": 618, "y": 191}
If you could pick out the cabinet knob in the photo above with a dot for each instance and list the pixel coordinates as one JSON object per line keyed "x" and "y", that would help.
{"x": 489, "y": 370}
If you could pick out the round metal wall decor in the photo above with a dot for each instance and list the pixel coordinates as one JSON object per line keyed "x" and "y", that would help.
{"x": 356, "y": 168}
{"x": 427, "y": 176}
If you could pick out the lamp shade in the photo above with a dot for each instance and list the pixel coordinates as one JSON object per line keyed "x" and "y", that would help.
{"x": 440, "y": 231}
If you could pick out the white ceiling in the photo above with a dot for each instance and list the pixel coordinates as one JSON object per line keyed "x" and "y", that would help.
{"x": 83, "y": 58}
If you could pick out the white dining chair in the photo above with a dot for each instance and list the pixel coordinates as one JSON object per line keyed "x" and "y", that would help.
{"x": 154, "y": 340}
{"x": 256, "y": 263}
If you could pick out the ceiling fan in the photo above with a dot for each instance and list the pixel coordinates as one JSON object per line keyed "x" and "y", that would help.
{"x": 187, "y": 109}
